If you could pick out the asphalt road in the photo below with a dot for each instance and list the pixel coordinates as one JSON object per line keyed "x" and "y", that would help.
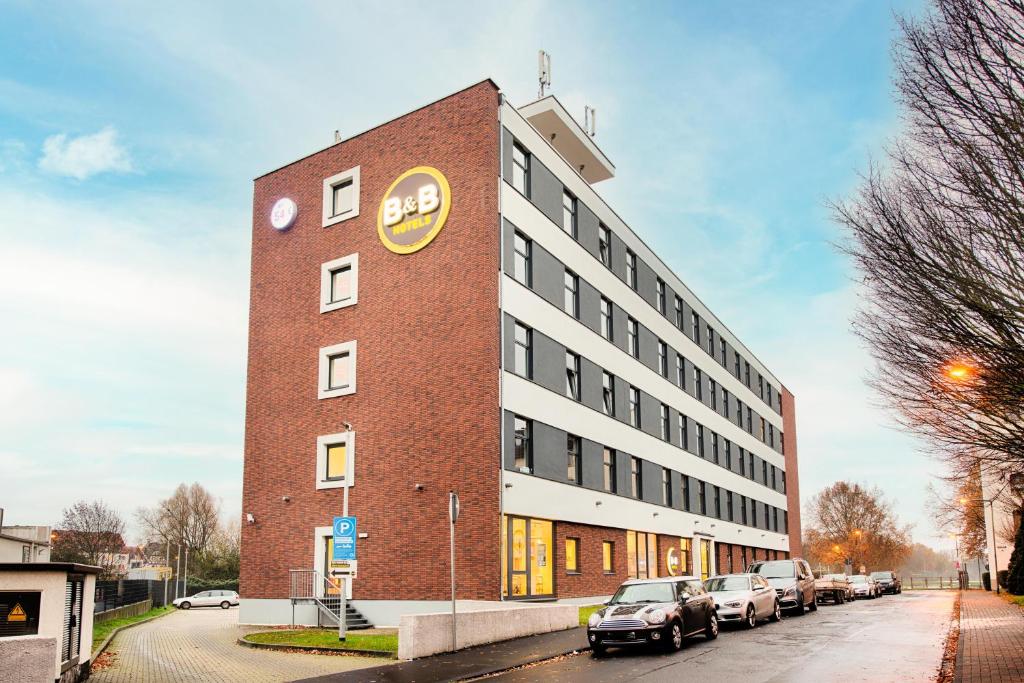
{"x": 892, "y": 638}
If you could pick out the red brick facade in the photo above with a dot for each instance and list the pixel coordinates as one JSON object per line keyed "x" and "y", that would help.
{"x": 792, "y": 473}
{"x": 426, "y": 408}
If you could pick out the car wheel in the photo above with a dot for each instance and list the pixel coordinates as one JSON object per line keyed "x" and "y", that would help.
{"x": 813, "y": 606}
{"x": 751, "y": 619}
{"x": 777, "y": 612}
{"x": 599, "y": 650}
{"x": 674, "y": 637}
{"x": 186, "y": 605}
{"x": 711, "y": 630}
{"x": 839, "y": 598}
{"x": 225, "y": 605}
{"x": 799, "y": 609}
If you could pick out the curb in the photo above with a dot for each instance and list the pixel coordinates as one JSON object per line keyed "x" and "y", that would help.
{"x": 110, "y": 636}
{"x": 523, "y": 665}
{"x": 383, "y": 654}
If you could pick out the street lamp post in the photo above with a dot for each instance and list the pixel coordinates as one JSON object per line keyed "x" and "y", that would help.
{"x": 994, "y": 572}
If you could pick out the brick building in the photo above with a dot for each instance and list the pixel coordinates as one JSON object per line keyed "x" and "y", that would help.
{"x": 444, "y": 302}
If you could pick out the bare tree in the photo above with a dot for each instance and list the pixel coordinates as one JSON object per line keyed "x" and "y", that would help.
{"x": 189, "y": 517}
{"x": 89, "y": 533}
{"x": 848, "y": 521}
{"x": 956, "y": 508}
{"x": 938, "y": 234}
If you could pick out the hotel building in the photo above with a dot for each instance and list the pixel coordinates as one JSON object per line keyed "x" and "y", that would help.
{"x": 446, "y": 303}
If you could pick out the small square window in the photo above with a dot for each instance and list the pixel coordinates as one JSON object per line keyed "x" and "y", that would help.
{"x": 341, "y": 197}
{"x": 335, "y": 460}
{"x": 337, "y": 370}
{"x": 339, "y": 283}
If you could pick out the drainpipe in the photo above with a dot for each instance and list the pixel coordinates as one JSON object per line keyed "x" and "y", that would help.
{"x": 501, "y": 343}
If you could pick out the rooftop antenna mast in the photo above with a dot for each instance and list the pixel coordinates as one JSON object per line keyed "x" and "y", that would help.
{"x": 543, "y": 70}
{"x": 590, "y": 120}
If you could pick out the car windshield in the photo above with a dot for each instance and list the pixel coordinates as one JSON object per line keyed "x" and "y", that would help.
{"x": 727, "y": 583}
{"x": 643, "y": 592}
{"x": 881, "y": 575}
{"x": 858, "y": 578}
{"x": 773, "y": 570}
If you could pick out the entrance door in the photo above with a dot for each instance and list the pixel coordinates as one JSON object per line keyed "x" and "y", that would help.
{"x": 329, "y": 590}
{"x": 705, "y": 559}
{"x": 529, "y": 558}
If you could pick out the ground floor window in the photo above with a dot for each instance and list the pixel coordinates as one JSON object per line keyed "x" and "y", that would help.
{"x": 705, "y": 559}
{"x": 527, "y": 557}
{"x": 686, "y": 555}
{"x": 607, "y": 552}
{"x": 641, "y": 555}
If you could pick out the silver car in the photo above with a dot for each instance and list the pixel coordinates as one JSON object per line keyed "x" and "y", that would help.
{"x": 864, "y": 586}
{"x": 218, "y": 598}
{"x": 744, "y": 598}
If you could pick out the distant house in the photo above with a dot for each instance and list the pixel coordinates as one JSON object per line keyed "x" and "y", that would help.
{"x": 24, "y": 544}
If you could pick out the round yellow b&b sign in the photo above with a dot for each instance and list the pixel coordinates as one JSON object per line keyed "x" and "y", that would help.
{"x": 414, "y": 210}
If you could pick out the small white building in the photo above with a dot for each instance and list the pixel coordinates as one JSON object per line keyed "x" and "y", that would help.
{"x": 25, "y": 544}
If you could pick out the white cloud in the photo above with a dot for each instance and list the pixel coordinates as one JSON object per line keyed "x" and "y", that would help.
{"x": 85, "y": 155}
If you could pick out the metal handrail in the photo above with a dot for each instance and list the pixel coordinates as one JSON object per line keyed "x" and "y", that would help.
{"x": 310, "y": 583}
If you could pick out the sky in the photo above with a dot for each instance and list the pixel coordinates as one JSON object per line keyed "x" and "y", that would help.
{"x": 130, "y": 134}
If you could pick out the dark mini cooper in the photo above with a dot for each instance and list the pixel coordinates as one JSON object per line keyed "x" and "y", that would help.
{"x": 657, "y": 612}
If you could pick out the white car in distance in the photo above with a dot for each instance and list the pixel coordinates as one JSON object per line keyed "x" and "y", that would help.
{"x": 217, "y": 598}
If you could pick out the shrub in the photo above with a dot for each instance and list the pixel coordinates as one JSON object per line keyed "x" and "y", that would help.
{"x": 986, "y": 581}
{"x": 1015, "y": 575}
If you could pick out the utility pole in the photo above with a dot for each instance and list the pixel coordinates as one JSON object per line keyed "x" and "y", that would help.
{"x": 185, "y": 589}
{"x": 167, "y": 563}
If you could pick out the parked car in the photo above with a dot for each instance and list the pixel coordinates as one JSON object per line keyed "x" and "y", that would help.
{"x": 654, "y": 612}
{"x": 888, "y": 581}
{"x": 223, "y": 599}
{"x": 792, "y": 580}
{"x": 743, "y": 598}
{"x": 834, "y": 587}
{"x": 864, "y": 586}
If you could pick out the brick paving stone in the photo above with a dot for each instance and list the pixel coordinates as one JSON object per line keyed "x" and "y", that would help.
{"x": 991, "y": 648}
{"x": 200, "y": 645}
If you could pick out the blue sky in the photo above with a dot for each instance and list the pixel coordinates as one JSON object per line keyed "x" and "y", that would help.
{"x": 130, "y": 134}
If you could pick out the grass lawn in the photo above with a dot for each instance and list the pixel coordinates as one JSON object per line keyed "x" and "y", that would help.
{"x": 1015, "y": 599}
{"x": 586, "y": 611}
{"x": 100, "y": 631}
{"x": 327, "y": 639}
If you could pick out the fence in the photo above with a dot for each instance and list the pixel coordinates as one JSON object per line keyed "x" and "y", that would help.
{"x": 118, "y": 593}
{"x": 132, "y": 610}
{"x": 936, "y": 583}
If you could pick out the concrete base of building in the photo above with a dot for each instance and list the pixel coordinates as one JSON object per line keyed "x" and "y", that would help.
{"x": 479, "y": 623}
{"x": 27, "y": 659}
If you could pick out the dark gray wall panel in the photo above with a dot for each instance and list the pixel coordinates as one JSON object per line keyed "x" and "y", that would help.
{"x": 546, "y": 191}
{"x": 509, "y": 342}
{"x": 591, "y": 384}
{"x": 586, "y": 228}
{"x": 649, "y": 407}
{"x": 549, "y": 452}
{"x": 618, "y": 257}
{"x": 590, "y": 306}
{"x": 651, "y": 481}
{"x": 508, "y": 420}
{"x": 622, "y": 472}
{"x": 648, "y": 348}
{"x": 548, "y": 277}
{"x": 593, "y": 465}
{"x": 621, "y": 399}
{"x": 619, "y": 327}
{"x": 645, "y": 279}
{"x": 508, "y": 245}
{"x": 506, "y": 151}
{"x": 694, "y": 498}
{"x": 677, "y": 489}
{"x": 548, "y": 363}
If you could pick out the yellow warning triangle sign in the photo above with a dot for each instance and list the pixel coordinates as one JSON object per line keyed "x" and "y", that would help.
{"x": 17, "y": 614}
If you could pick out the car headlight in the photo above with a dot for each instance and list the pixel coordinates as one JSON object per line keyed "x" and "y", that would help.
{"x": 656, "y": 616}
{"x": 594, "y": 620}
{"x": 734, "y": 603}
{"x": 790, "y": 591}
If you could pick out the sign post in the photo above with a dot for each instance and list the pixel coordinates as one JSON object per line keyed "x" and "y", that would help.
{"x": 344, "y": 550}
{"x": 453, "y": 515}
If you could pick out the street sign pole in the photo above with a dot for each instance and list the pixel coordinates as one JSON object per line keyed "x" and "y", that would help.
{"x": 343, "y": 606}
{"x": 344, "y": 556}
{"x": 453, "y": 515}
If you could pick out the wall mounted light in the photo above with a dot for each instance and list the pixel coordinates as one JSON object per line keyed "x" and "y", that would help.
{"x": 597, "y": 502}
{"x": 363, "y": 534}
{"x": 286, "y": 498}
{"x": 418, "y": 487}
{"x": 249, "y": 518}
{"x": 508, "y": 484}
{"x": 655, "y": 514}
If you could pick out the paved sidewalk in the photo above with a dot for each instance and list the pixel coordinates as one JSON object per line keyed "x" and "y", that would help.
{"x": 991, "y": 648}
{"x": 471, "y": 662}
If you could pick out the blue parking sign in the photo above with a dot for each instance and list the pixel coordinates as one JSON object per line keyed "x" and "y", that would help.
{"x": 344, "y": 539}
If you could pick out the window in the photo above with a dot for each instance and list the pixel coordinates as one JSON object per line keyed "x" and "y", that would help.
{"x": 764, "y": 472}
{"x": 700, "y": 440}
{"x": 711, "y": 341}
{"x": 607, "y": 327}
{"x": 728, "y": 505}
{"x": 722, "y": 348}
{"x": 662, "y": 358}
{"x": 572, "y": 294}
{"x": 634, "y": 406}
{"x": 764, "y": 435}
{"x": 743, "y": 462}
{"x": 739, "y": 412}
{"x": 636, "y": 478}
{"x": 753, "y": 513}
{"x": 574, "y": 471}
{"x": 604, "y": 244}
{"x": 750, "y": 420}
{"x": 769, "y": 391}
{"x": 521, "y": 169}
{"x": 746, "y": 371}
{"x": 522, "y": 356}
{"x": 569, "y": 213}
{"x": 686, "y": 493}
{"x": 632, "y": 338}
{"x": 631, "y": 269}
{"x": 750, "y": 465}
{"x": 773, "y": 477}
{"x": 684, "y": 432}
{"x": 641, "y": 555}
{"x": 664, "y": 422}
{"x": 743, "y": 515}
{"x": 339, "y": 283}
{"x": 702, "y": 505}
{"x": 607, "y": 552}
{"x": 572, "y": 375}
{"x": 775, "y": 519}
{"x": 666, "y": 486}
{"x": 685, "y": 555}
{"x": 572, "y": 555}
{"x": 681, "y": 372}
{"x": 335, "y": 457}
{"x": 718, "y": 501}
{"x": 782, "y": 442}
{"x": 608, "y": 394}
{"x": 523, "y": 444}
{"x": 522, "y": 260}
{"x": 698, "y": 384}
{"x": 341, "y": 197}
{"x": 725, "y": 402}
{"x": 771, "y": 435}
{"x": 736, "y": 369}
{"x": 714, "y": 447}
{"x": 661, "y": 296}
{"x": 695, "y": 322}
{"x": 713, "y": 393}
{"x": 760, "y": 386}
{"x": 337, "y": 370}
{"x": 679, "y": 312}
{"x": 728, "y": 454}
{"x": 610, "y": 482}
